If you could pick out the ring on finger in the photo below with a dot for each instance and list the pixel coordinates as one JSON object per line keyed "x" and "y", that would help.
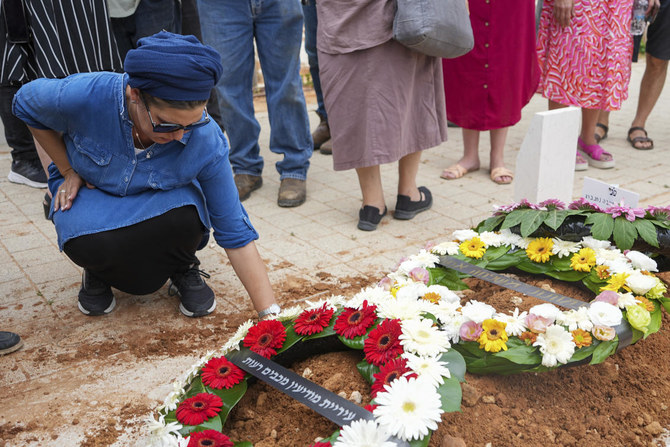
{"x": 62, "y": 191}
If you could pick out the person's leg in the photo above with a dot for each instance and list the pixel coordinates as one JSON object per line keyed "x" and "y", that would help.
{"x": 278, "y": 35}
{"x": 373, "y": 207}
{"x": 124, "y": 30}
{"x": 499, "y": 173}
{"x": 137, "y": 259}
{"x": 322, "y": 133}
{"x": 25, "y": 168}
{"x": 651, "y": 87}
{"x": 602, "y": 126}
{"x": 469, "y": 161}
{"x": 227, "y": 25}
{"x": 153, "y": 16}
{"x": 587, "y": 144}
{"x": 411, "y": 199}
{"x": 553, "y": 105}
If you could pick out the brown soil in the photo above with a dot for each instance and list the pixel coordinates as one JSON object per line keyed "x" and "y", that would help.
{"x": 623, "y": 402}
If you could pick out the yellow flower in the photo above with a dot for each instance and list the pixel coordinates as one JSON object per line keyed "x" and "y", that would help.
{"x": 584, "y": 260}
{"x": 581, "y": 338}
{"x": 603, "y": 271}
{"x": 473, "y": 248}
{"x": 539, "y": 250}
{"x": 395, "y": 289}
{"x": 528, "y": 337}
{"x": 432, "y": 297}
{"x": 493, "y": 337}
{"x": 617, "y": 282}
{"x": 645, "y": 303}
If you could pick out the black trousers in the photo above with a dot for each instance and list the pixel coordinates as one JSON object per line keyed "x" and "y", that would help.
{"x": 140, "y": 258}
{"x": 17, "y": 134}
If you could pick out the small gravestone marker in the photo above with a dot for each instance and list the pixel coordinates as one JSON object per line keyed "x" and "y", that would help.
{"x": 545, "y": 165}
{"x": 605, "y": 195}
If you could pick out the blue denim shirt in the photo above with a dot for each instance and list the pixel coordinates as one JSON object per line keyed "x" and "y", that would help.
{"x": 90, "y": 110}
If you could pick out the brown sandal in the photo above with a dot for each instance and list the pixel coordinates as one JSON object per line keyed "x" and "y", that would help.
{"x": 602, "y": 137}
{"x": 637, "y": 140}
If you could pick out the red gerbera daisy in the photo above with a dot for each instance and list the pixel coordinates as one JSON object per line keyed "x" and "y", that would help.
{"x": 265, "y": 337}
{"x": 197, "y": 409}
{"x": 382, "y": 344}
{"x": 313, "y": 321}
{"x": 220, "y": 373}
{"x": 371, "y": 407}
{"x": 354, "y": 322}
{"x": 209, "y": 438}
{"x": 390, "y": 371}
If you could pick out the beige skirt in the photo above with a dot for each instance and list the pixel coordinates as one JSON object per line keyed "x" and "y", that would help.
{"x": 382, "y": 103}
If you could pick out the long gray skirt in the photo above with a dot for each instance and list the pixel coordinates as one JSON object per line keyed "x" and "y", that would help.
{"x": 382, "y": 103}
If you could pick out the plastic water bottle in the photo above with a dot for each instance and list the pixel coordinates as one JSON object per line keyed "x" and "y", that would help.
{"x": 639, "y": 12}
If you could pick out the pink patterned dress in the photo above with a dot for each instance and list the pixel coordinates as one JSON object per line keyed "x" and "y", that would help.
{"x": 588, "y": 63}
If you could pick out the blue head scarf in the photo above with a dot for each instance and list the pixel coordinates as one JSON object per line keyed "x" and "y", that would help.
{"x": 174, "y": 67}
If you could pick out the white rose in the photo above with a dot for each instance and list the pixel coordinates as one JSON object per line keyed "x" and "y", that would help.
{"x": 640, "y": 284}
{"x": 464, "y": 235}
{"x": 642, "y": 261}
{"x": 604, "y": 314}
{"x": 546, "y": 310}
{"x": 478, "y": 311}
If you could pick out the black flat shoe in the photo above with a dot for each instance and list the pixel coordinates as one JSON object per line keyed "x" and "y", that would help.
{"x": 46, "y": 204}
{"x": 369, "y": 217}
{"x": 406, "y": 209}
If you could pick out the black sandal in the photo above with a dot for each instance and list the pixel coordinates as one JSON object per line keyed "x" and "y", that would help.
{"x": 599, "y": 138}
{"x": 369, "y": 217}
{"x": 406, "y": 209}
{"x": 46, "y": 204}
{"x": 644, "y": 139}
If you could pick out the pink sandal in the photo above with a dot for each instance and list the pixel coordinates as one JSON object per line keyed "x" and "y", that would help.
{"x": 595, "y": 155}
{"x": 580, "y": 163}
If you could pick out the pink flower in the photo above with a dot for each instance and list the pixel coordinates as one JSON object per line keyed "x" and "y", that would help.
{"x": 420, "y": 274}
{"x": 385, "y": 283}
{"x": 470, "y": 331}
{"x": 661, "y": 213}
{"x": 608, "y": 296}
{"x": 553, "y": 204}
{"x": 629, "y": 213}
{"x": 583, "y": 204}
{"x": 537, "y": 324}
{"x": 603, "y": 333}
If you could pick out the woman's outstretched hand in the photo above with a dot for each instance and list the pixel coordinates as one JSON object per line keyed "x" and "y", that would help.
{"x": 564, "y": 11}
{"x": 68, "y": 190}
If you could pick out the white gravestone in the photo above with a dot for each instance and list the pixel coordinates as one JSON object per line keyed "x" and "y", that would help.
{"x": 545, "y": 165}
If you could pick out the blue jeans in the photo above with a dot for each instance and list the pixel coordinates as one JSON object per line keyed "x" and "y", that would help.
{"x": 230, "y": 26}
{"x": 309, "y": 10}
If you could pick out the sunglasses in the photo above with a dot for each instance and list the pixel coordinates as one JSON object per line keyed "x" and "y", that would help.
{"x": 173, "y": 127}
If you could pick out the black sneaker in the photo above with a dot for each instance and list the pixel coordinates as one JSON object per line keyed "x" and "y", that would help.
{"x": 406, "y": 209}
{"x": 369, "y": 217}
{"x": 9, "y": 342}
{"x": 29, "y": 173}
{"x": 95, "y": 297}
{"x": 197, "y": 299}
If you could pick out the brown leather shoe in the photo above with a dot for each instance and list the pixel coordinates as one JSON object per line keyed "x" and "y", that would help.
{"x": 327, "y": 147}
{"x": 321, "y": 134}
{"x": 246, "y": 184}
{"x": 292, "y": 192}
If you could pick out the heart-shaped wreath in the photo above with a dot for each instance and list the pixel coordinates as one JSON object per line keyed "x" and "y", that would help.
{"x": 418, "y": 338}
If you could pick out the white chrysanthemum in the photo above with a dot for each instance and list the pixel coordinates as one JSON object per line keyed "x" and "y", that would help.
{"x": 545, "y": 310}
{"x": 444, "y": 292}
{"x": 642, "y": 261}
{"x": 289, "y": 313}
{"x": 516, "y": 324}
{"x": 576, "y": 319}
{"x": 403, "y": 308}
{"x": 639, "y": 283}
{"x": 162, "y": 434}
{"x": 234, "y": 342}
{"x": 478, "y": 311}
{"x": 619, "y": 266}
{"x": 331, "y": 303}
{"x": 446, "y": 248}
{"x": 451, "y": 326}
{"x": 172, "y": 399}
{"x": 563, "y": 248}
{"x": 412, "y": 291}
{"x": 362, "y": 433}
{"x": 626, "y": 299}
{"x": 430, "y": 368}
{"x": 464, "y": 235}
{"x": 556, "y": 345}
{"x": 425, "y": 259}
{"x": 604, "y": 314}
{"x": 509, "y": 238}
{"x": 421, "y": 337}
{"x": 407, "y": 266}
{"x": 491, "y": 239}
{"x": 373, "y": 295}
{"x": 595, "y": 244}
{"x": 607, "y": 256}
{"x": 408, "y": 408}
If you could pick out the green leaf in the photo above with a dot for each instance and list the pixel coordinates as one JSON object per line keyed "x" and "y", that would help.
{"x": 624, "y": 233}
{"x": 450, "y": 395}
{"x": 593, "y": 282}
{"x": 354, "y": 343}
{"x": 210, "y": 424}
{"x": 469, "y": 349}
{"x": 367, "y": 370}
{"x": 531, "y": 222}
{"x": 423, "y": 442}
{"x": 332, "y": 438}
{"x": 602, "y": 225}
{"x": 522, "y": 355}
{"x": 582, "y": 353}
{"x": 455, "y": 364}
{"x": 534, "y": 267}
{"x": 494, "y": 253}
{"x": 242, "y": 444}
{"x": 571, "y": 276}
{"x": 490, "y": 224}
{"x": 647, "y": 231}
{"x": 561, "y": 264}
{"x": 655, "y": 323}
{"x": 514, "y": 218}
{"x": 665, "y": 302}
{"x": 446, "y": 277}
{"x": 510, "y": 259}
{"x": 604, "y": 350}
{"x": 291, "y": 337}
{"x": 230, "y": 398}
{"x": 555, "y": 218}
{"x": 327, "y": 332}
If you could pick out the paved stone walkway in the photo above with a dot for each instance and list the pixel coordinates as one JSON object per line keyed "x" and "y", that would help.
{"x": 39, "y": 285}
